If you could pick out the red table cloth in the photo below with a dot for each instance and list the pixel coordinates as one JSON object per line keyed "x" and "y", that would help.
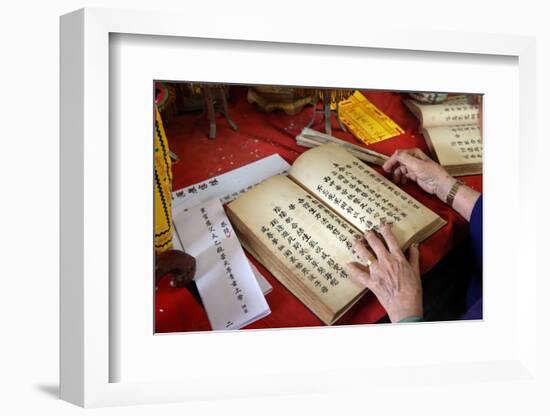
{"x": 262, "y": 134}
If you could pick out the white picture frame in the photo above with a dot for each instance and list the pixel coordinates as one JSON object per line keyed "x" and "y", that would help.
{"x": 86, "y": 353}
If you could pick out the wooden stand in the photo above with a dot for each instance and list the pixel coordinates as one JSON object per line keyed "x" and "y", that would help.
{"x": 327, "y": 112}
{"x": 208, "y": 93}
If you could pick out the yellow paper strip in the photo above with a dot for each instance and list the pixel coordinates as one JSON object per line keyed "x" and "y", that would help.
{"x": 365, "y": 121}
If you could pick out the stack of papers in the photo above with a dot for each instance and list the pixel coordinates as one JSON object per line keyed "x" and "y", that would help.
{"x": 230, "y": 185}
{"x": 231, "y": 288}
{"x": 228, "y": 288}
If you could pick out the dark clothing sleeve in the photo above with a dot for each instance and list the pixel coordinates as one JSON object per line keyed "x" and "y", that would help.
{"x": 476, "y": 230}
{"x": 474, "y": 300}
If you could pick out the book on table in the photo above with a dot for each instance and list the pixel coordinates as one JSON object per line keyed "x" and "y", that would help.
{"x": 302, "y": 227}
{"x": 452, "y": 133}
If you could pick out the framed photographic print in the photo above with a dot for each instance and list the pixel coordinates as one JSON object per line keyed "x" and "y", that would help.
{"x": 216, "y": 188}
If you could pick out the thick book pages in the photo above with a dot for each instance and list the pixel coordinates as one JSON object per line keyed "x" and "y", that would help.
{"x": 277, "y": 223}
{"x": 302, "y": 227}
{"x": 459, "y": 149}
{"x": 454, "y": 112}
{"x": 452, "y": 134}
{"x": 362, "y": 196}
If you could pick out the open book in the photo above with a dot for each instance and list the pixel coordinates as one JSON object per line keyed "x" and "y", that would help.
{"x": 452, "y": 132}
{"x": 302, "y": 227}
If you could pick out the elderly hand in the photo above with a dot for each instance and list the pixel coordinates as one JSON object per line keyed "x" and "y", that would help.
{"x": 413, "y": 164}
{"x": 392, "y": 277}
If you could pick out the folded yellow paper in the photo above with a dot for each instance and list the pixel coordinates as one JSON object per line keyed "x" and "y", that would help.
{"x": 365, "y": 121}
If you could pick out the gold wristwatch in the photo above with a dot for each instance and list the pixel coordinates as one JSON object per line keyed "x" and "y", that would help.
{"x": 452, "y": 192}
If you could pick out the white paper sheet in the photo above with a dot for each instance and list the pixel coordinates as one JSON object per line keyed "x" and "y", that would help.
{"x": 230, "y": 185}
{"x": 262, "y": 281}
{"x": 228, "y": 288}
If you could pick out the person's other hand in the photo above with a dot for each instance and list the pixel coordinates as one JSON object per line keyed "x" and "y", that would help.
{"x": 415, "y": 165}
{"x": 181, "y": 265}
{"x": 392, "y": 277}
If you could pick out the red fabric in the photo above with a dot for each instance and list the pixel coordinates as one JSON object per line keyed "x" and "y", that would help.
{"x": 259, "y": 135}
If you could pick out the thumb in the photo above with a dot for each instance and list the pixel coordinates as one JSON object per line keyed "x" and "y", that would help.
{"x": 414, "y": 256}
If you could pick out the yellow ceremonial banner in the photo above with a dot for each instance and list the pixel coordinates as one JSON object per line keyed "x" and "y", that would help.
{"x": 365, "y": 121}
{"x": 163, "y": 189}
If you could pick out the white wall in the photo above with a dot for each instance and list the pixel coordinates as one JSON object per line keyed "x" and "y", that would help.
{"x": 29, "y": 169}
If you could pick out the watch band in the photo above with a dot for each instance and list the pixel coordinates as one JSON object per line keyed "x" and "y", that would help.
{"x": 452, "y": 192}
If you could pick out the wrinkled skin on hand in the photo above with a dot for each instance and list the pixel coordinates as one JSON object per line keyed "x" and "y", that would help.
{"x": 415, "y": 165}
{"x": 391, "y": 276}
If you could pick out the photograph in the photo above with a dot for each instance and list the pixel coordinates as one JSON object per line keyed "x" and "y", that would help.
{"x": 292, "y": 207}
